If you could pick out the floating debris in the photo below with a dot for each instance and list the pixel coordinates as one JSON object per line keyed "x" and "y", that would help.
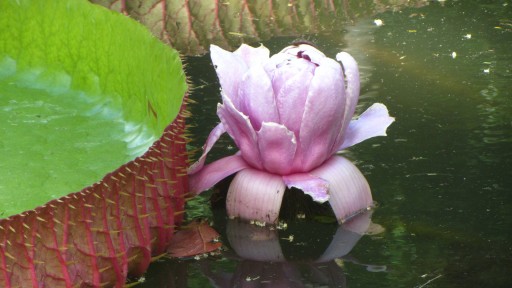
{"x": 249, "y": 279}
{"x": 289, "y": 238}
{"x": 378, "y": 22}
{"x": 237, "y": 34}
{"x": 281, "y": 225}
{"x": 258, "y": 223}
{"x": 374, "y": 229}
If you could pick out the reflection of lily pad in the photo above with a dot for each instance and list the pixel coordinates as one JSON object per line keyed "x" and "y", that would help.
{"x": 82, "y": 91}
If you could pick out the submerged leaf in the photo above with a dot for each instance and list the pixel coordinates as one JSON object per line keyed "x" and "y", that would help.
{"x": 195, "y": 239}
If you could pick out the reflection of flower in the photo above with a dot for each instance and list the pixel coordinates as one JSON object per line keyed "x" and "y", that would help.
{"x": 288, "y": 115}
{"x": 262, "y": 256}
{"x": 263, "y": 243}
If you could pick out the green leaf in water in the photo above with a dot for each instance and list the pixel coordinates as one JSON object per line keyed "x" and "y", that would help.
{"x": 82, "y": 91}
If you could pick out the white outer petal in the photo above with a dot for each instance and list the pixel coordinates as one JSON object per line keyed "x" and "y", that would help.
{"x": 349, "y": 191}
{"x": 255, "y": 195}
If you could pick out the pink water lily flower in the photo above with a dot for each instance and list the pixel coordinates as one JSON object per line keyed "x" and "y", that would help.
{"x": 289, "y": 115}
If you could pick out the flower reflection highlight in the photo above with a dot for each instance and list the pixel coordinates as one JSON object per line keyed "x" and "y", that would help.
{"x": 261, "y": 260}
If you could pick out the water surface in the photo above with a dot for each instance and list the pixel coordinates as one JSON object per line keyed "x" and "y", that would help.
{"x": 442, "y": 176}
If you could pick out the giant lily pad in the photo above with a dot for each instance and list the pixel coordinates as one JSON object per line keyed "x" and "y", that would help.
{"x": 83, "y": 90}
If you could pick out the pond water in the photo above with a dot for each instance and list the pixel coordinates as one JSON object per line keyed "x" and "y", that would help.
{"x": 441, "y": 177}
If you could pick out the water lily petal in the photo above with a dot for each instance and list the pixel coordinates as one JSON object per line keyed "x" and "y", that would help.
{"x": 373, "y": 122}
{"x": 253, "y": 55}
{"x": 348, "y": 189}
{"x": 352, "y": 87}
{"x": 212, "y": 173}
{"x": 291, "y": 84}
{"x": 277, "y": 147}
{"x": 255, "y": 195}
{"x": 311, "y": 185}
{"x": 277, "y": 61}
{"x": 305, "y": 51}
{"x": 256, "y": 97}
{"x": 230, "y": 69}
{"x": 212, "y": 138}
{"x": 322, "y": 119}
{"x": 240, "y": 129}
{"x": 351, "y": 72}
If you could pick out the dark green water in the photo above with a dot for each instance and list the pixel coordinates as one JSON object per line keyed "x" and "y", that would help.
{"x": 442, "y": 176}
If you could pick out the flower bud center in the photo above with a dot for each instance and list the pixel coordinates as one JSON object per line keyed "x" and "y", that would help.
{"x": 301, "y": 54}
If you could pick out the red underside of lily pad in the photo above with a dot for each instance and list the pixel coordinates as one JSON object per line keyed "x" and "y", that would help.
{"x": 101, "y": 235}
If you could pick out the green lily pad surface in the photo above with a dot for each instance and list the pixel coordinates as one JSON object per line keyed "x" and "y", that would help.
{"x": 83, "y": 90}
